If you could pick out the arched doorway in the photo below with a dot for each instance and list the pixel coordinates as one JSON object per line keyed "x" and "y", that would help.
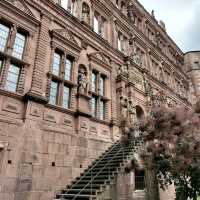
{"x": 139, "y": 113}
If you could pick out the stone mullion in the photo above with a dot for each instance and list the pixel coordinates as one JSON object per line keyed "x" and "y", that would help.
{"x": 11, "y": 40}
{"x": 98, "y": 93}
{"x": 22, "y": 79}
{"x": 40, "y": 61}
{"x": 62, "y": 76}
{"x": 4, "y": 73}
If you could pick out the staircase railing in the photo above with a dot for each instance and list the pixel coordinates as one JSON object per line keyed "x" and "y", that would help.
{"x": 122, "y": 147}
{"x": 89, "y": 170}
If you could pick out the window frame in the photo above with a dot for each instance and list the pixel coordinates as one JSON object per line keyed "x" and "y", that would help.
{"x": 61, "y": 79}
{"x": 24, "y": 45}
{"x": 139, "y": 186}
{"x": 8, "y": 58}
{"x": 7, "y": 39}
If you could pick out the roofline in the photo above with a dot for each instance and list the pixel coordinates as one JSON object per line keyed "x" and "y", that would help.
{"x": 165, "y": 32}
{"x": 195, "y": 51}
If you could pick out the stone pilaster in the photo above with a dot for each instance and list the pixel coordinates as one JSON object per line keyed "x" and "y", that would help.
{"x": 40, "y": 60}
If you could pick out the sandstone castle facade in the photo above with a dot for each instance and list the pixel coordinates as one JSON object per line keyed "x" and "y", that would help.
{"x": 70, "y": 72}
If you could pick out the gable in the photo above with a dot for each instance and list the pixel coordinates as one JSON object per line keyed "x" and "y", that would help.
{"x": 21, "y": 5}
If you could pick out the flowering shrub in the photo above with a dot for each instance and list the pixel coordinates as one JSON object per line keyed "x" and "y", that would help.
{"x": 172, "y": 141}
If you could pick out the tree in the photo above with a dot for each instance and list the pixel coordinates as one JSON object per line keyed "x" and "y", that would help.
{"x": 172, "y": 146}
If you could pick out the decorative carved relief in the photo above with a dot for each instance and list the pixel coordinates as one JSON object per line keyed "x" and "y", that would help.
{"x": 35, "y": 111}
{"x": 67, "y": 34}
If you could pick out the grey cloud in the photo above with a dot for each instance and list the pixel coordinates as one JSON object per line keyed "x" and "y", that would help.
{"x": 181, "y": 18}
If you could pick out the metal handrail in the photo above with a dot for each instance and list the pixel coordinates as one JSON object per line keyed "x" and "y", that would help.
{"x": 90, "y": 169}
{"x": 98, "y": 172}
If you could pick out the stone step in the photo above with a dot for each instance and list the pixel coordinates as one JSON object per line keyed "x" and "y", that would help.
{"x": 71, "y": 196}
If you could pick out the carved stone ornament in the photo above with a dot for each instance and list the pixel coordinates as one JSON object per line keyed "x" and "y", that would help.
{"x": 132, "y": 113}
{"x": 124, "y": 107}
{"x": 136, "y": 57}
{"x": 123, "y": 71}
{"x": 21, "y": 5}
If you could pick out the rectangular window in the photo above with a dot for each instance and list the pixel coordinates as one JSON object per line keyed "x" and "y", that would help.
{"x": 96, "y": 24}
{"x": 102, "y": 86}
{"x": 66, "y": 99}
{"x": 139, "y": 179}
{"x": 94, "y": 82}
{"x": 4, "y": 32}
{"x": 53, "y": 93}
{"x": 102, "y": 108}
{"x": 56, "y": 64}
{"x": 64, "y": 4}
{"x": 119, "y": 42}
{"x": 94, "y": 106}
{"x": 12, "y": 78}
{"x": 68, "y": 69}
{"x": 19, "y": 45}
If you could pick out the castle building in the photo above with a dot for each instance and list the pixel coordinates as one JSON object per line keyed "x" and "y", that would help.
{"x": 71, "y": 71}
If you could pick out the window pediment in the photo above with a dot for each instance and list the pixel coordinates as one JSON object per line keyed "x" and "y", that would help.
{"x": 67, "y": 34}
{"x": 21, "y": 5}
{"x": 100, "y": 58}
{"x": 66, "y": 41}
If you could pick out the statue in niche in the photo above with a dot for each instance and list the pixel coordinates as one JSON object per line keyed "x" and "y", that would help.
{"x": 82, "y": 81}
{"x": 86, "y": 13}
{"x": 124, "y": 107}
{"x": 132, "y": 113}
{"x": 136, "y": 56}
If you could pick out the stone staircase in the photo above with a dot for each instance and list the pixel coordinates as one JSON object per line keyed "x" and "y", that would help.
{"x": 101, "y": 172}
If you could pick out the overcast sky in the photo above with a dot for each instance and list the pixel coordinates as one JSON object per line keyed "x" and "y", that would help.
{"x": 182, "y": 20}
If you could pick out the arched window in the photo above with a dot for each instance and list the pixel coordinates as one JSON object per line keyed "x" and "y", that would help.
{"x": 86, "y": 13}
{"x": 139, "y": 113}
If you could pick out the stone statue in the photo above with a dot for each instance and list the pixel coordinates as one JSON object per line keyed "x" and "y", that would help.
{"x": 124, "y": 107}
{"x": 136, "y": 57}
{"x": 82, "y": 82}
{"x": 132, "y": 113}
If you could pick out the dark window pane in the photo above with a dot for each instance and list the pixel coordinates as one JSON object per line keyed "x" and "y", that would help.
{"x": 53, "y": 93}
{"x": 102, "y": 109}
{"x": 56, "y": 64}
{"x": 139, "y": 180}
{"x": 1, "y": 64}
{"x": 12, "y": 78}
{"x": 94, "y": 106}
{"x": 94, "y": 81}
{"x": 4, "y": 31}
{"x": 68, "y": 69}
{"x": 19, "y": 44}
{"x": 66, "y": 97}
